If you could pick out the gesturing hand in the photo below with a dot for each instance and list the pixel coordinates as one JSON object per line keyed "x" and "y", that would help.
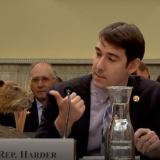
{"x": 77, "y": 108}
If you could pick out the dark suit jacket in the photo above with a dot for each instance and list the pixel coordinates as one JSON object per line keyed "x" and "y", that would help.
{"x": 31, "y": 123}
{"x": 32, "y": 119}
{"x": 144, "y": 114}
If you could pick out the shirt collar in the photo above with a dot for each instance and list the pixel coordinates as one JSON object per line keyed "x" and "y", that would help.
{"x": 101, "y": 94}
{"x": 39, "y": 104}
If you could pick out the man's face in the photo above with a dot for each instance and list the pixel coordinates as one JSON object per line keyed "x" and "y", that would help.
{"x": 143, "y": 73}
{"x": 41, "y": 79}
{"x": 109, "y": 66}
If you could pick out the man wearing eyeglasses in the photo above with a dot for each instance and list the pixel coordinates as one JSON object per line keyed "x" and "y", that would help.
{"x": 41, "y": 78}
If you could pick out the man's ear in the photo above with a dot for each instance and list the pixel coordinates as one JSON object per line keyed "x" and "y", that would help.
{"x": 29, "y": 81}
{"x": 133, "y": 65}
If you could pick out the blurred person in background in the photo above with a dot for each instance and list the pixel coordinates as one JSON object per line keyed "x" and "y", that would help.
{"x": 41, "y": 78}
{"x": 143, "y": 71}
{"x": 158, "y": 79}
{"x": 58, "y": 80}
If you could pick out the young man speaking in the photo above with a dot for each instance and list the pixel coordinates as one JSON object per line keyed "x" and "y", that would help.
{"x": 118, "y": 53}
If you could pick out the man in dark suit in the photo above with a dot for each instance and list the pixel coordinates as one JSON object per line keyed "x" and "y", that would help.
{"x": 32, "y": 119}
{"x": 41, "y": 78}
{"x": 118, "y": 53}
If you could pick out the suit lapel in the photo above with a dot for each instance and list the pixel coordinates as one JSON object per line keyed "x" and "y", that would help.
{"x": 32, "y": 120}
{"x": 82, "y": 126}
{"x": 135, "y": 102}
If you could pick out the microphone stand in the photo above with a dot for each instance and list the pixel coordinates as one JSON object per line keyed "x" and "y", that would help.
{"x": 68, "y": 90}
{"x": 67, "y": 114}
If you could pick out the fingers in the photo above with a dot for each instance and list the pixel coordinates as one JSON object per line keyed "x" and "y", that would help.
{"x": 82, "y": 109}
{"x": 74, "y": 98}
{"x": 154, "y": 143}
{"x": 140, "y": 132}
{"x": 73, "y": 95}
{"x": 77, "y": 107}
{"x": 57, "y": 96}
{"x": 77, "y": 102}
{"x": 146, "y": 143}
{"x": 143, "y": 142}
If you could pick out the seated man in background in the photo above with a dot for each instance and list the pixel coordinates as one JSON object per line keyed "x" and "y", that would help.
{"x": 41, "y": 77}
{"x": 118, "y": 53}
{"x": 158, "y": 78}
{"x": 142, "y": 71}
{"x": 57, "y": 80}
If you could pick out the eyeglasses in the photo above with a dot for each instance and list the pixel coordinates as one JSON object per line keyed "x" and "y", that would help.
{"x": 42, "y": 79}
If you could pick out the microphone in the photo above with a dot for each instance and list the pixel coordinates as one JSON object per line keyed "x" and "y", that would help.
{"x": 67, "y": 90}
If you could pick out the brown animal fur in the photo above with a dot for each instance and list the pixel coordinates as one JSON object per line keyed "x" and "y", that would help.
{"x": 13, "y": 98}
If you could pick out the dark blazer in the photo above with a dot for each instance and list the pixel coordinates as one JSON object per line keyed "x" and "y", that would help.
{"x": 31, "y": 123}
{"x": 32, "y": 119}
{"x": 144, "y": 114}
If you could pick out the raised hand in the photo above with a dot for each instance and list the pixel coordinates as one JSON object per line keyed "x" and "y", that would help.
{"x": 77, "y": 109}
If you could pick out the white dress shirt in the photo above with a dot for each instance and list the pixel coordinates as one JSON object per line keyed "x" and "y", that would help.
{"x": 39, "y": 109}
{"x": 97, "y": 110}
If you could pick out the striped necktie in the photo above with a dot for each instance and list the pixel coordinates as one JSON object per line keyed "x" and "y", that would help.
{"x": 106, "y": 117}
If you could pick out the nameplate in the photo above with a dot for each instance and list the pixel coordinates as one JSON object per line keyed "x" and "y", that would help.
{"x": 36, "y": 149}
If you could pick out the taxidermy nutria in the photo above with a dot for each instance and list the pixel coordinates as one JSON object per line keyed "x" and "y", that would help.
{"x": 13, "y": 98}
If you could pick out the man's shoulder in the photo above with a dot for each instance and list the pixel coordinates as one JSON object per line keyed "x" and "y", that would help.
{"x": 143, "y": 83}
{"x": 76, "y": 82}
{"x": 79, "y": 79}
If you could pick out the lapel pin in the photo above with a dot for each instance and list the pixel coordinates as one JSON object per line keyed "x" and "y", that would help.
{"x": 136, "y": 98}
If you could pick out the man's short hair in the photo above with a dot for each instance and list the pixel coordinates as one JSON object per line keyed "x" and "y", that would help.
{"x": 54, "y": 73}
{"x": 125, "y": 36}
